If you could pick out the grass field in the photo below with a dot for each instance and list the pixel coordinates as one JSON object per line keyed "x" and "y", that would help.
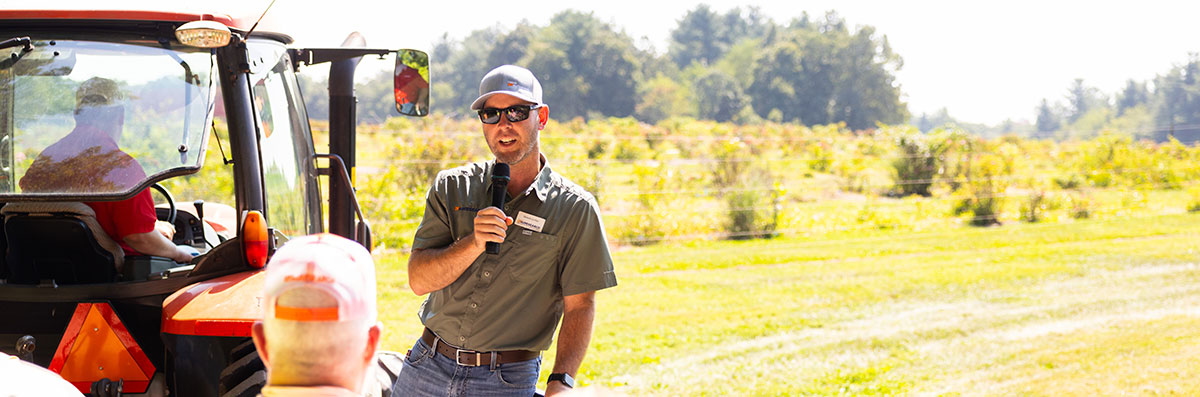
{"x": 1081, "y": 308}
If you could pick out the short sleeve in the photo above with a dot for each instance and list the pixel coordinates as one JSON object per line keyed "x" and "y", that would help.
{"x": 134, "y": 216}
{"x": 587, "y": 264}
{"x": 434, "y": 230}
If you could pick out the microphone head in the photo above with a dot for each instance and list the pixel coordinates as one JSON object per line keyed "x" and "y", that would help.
{"x": 500, "y": 171}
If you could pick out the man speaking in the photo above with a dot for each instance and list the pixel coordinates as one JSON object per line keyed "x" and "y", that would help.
{"x": 489, "y": 316}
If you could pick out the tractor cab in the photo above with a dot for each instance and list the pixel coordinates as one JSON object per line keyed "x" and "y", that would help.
{"x": 90, "y": 123}
{"x": 126, "y": 123}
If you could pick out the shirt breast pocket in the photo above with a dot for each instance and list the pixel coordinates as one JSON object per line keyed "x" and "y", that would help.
{"x": 532, "y": 254}
{"x": 462, "y": 224}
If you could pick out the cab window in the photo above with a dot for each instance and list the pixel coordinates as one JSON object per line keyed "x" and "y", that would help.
{"x": 285, "y": 142}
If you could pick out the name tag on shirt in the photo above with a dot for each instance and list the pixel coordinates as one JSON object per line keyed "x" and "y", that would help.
{"x": 530, "y": 222}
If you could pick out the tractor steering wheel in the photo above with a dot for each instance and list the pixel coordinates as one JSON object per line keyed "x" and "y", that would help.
{"x": 170, "y": 201}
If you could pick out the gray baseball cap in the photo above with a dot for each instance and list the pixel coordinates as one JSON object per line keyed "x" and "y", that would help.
{"x": 512, "y": 80}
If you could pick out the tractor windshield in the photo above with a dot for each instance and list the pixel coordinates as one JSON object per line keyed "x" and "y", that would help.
{"x": 83, "y": 117}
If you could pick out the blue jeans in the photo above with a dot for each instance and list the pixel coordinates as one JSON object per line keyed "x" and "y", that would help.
{"x": 427, "y": 373}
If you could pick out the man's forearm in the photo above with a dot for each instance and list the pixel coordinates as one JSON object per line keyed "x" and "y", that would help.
{"x": 154, "y": 243}
{"x": 434, "y": 268}
{"x": 576, "y": 332}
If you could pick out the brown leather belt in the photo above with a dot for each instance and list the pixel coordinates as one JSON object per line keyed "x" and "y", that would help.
{"x": 471, "y": 358}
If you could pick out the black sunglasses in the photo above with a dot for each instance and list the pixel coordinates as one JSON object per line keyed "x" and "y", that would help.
{"x": 513, "y": 113}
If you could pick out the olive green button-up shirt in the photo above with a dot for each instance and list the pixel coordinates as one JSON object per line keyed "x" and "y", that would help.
{"x": 513, "y": 301}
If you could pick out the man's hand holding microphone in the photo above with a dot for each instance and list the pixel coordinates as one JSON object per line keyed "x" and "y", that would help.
{"x": 491, "y": 224}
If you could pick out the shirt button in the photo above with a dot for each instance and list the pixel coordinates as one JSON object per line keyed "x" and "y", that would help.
{"x": 473, "y": 305}
{"x": 462, "y": 338}
{"x": 487, "y": 274}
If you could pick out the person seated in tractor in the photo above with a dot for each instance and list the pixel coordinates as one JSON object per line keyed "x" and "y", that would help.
{"x": 319, "y": 332}
{"x": 88, "y": 159}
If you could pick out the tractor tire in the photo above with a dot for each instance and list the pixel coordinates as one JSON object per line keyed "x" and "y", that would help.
{"x": 387, "y": 368}
{"x": 245, "y": 376}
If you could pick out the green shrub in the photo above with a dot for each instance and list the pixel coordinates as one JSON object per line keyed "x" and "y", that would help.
{"x": 753, "y": 212}
{"x": 1072, "y": 181}
{"x": 916, "y": 164}
{"x": 643, "y": 228}
{"x": 1194, "y": 203}
{"x": 1081, "y": 207}
{"x": 869, "y": 215}
{"x": 733, "y": 158}
{"x": 985, "y": 191}
{"x": 1034, "y": 208}
{"x": 819, "y": 155}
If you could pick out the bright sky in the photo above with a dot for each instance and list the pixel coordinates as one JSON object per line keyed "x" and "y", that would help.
{"x": 984, "y": 61}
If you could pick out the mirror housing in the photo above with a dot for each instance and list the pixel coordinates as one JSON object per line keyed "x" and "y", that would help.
{"x": 411, "y": 79}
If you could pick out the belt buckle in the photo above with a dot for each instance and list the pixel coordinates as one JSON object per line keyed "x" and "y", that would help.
{"x": 458, "y": 354}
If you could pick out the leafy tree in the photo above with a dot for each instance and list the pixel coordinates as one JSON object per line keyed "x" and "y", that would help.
{"x": 316, "y": 97}
{"x": 776, "y": 75}
{"x": 1177, "y": 100}
{"x": 585, "y": 66}
{"x": 1081, "y": 99}
{"x": 1047, "y": 121}
{"x": 460, "y": 65}
{"x": 511, "y": 47}
{"x": 738, "y": 62}
{"x": 927, "y": 122}
{"x": 705, "y": 36}
{"x": 662, "y": 97}
{"x": 718, "y": 96}
{"x": 867, "y": 93}
{"x": 376, "y": 98}
{"x": 1134, "y": 94}
{"x": 696, "y": 38}
{"x": 822, "y": 73}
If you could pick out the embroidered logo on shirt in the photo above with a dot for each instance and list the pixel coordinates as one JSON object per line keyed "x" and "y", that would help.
{"x": 530, "y": 222}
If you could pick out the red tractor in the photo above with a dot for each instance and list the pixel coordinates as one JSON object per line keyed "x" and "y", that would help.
{"x": 165, "y": 83}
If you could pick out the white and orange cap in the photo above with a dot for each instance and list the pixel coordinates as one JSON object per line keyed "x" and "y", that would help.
{"x": 322, "y": 264}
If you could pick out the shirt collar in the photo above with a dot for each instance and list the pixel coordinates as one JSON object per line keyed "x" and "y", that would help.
{"x": 541, "y": 183}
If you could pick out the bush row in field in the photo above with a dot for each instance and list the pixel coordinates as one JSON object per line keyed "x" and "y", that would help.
{"x": 683, "y": 178}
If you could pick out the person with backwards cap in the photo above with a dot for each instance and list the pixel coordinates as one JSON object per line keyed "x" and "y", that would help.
{"x": 489, "y": 316}
{"x": 319, "y": 333}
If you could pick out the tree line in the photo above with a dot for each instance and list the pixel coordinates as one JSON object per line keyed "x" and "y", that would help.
{"x": 1160, "y": 109}
{"x": 741, "y": 66}
{"x": 738, "y": 66}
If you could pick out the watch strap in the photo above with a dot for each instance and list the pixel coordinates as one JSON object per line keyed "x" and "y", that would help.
{"x": 562, "y": 377}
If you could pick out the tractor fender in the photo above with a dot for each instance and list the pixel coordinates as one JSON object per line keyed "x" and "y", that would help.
{"x": 223, "y": 306}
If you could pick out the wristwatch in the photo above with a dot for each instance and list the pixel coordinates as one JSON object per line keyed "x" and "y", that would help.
{"x": 563, "y": 377}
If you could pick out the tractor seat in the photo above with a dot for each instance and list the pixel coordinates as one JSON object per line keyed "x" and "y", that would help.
{"x": 58, "y": 241}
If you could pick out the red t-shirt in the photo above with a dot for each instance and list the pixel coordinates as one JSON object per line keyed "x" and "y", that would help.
{"x": 122, "y": 218}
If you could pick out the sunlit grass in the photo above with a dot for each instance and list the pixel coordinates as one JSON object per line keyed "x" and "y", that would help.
{"x": 884, "y": 312}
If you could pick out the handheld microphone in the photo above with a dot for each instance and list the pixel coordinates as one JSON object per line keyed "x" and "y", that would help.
{"x": 499, "y": 189}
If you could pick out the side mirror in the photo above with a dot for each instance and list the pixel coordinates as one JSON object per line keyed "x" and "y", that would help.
{"x": 412, "y": 82}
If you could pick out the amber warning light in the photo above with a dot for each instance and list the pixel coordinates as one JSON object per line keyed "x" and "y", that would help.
{"x": 254, "y": 239}
{"x": 203, "y": 34}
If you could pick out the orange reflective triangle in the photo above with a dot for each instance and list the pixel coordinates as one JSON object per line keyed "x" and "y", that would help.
{"x": 98, "y": 351}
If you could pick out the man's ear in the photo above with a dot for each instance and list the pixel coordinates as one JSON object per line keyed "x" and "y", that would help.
{"x": 260, "y": 342}
{"x": 372, "y": 347}
{"x": 543, "y": 116}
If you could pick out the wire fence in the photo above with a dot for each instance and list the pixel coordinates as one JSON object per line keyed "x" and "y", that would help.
{"x": 792, "y": 185}
{"x": 724, "y": 133}
{"x": 955, "y": 180}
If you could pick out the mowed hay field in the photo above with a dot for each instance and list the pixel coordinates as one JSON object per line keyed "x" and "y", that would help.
{"x": 1092, "y": 307}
